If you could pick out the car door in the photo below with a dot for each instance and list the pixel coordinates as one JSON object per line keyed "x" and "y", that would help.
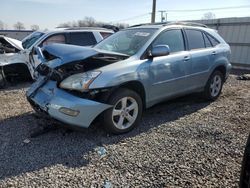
{"x": 167, "y": 73}
{"x": 202, "y": 54}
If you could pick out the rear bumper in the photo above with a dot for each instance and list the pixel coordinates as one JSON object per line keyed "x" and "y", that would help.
{"x": 228, "y": 70}
{"x": 58, "y": 104}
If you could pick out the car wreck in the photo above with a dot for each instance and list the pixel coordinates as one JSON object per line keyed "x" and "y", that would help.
{"x": 129, "y": 71}
{"x": 22, "y": 63}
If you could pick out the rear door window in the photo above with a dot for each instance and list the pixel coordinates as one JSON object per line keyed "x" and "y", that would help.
{"x": 213, "y": 40}
{"x": 82, "y": 38}
{"x": 195, "y": 39}
{"x": 172, "y": 38}
{"x": 207, "y": 41}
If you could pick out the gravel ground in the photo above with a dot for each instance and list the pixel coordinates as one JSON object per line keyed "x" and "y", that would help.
{"x": 182, "y": 143}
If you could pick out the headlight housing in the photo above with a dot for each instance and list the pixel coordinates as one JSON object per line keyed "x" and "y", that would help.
{"x": 80, "y": 82}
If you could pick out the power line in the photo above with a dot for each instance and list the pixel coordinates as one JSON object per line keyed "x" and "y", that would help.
{"x": 185, "y": 10}
{"x": 207, "y": 9}
{"x": 132, "y": 18}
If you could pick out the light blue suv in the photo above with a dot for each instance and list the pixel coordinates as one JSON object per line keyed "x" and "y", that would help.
{"x": 129, "y": 71}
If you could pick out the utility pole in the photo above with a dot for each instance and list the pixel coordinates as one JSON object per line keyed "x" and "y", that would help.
{"x": 153, "y": 12}
{"x": 162, "y": 17}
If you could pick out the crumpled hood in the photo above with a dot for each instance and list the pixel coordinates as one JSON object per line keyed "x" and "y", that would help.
{"x": 71, "y": 53}
{"x": 13, "y": 42}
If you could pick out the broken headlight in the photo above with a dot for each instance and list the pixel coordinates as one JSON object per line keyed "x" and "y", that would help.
{"x": 79, "y": 82}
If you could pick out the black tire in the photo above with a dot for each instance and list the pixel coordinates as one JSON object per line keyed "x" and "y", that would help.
{"x": 2, "y": 80}
{"x": 110, "y": 121}
{"x": 245, "y": 167}
{"x": 208, "y": 94}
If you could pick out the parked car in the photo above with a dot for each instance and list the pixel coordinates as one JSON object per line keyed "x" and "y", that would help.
{"x": 245, "y": 168}
{"x": 23, "y": 63}
{"x": 131, "y": 70}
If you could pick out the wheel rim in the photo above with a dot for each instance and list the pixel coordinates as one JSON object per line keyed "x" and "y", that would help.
{"x": 215, "y": 86}
{"x": 125, "y": 113}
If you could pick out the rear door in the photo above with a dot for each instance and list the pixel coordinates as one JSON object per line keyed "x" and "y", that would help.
{"x": 167, "y": 73}
{"x": 202, "y": 55}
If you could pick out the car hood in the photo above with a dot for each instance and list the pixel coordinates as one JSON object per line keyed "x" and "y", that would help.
{"x": 13, "y": 42}
{"x": 71, "y": 53}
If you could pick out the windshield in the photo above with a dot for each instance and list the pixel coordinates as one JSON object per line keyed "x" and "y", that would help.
{"x": 127, "y": 42}
{"x": 31, "y": 39}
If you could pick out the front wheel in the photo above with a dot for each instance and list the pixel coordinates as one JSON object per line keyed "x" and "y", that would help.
{"x": 125, "y": 113}
{"x": 214, "y": 86}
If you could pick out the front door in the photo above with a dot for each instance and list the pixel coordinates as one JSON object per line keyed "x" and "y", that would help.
{"x": 167, "y": 73}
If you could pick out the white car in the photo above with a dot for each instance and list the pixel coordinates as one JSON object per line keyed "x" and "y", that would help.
{"x": 19, "y": 60}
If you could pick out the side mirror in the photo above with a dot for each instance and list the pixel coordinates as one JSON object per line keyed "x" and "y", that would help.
{"x": 160, "y": 50}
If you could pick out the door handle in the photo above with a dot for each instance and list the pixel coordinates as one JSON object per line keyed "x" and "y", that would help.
{"x": 186, "y": 58}
{"x": 214, "y": 53}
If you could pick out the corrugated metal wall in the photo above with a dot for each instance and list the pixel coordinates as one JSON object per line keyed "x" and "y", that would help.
{"x": 236, "y": 32}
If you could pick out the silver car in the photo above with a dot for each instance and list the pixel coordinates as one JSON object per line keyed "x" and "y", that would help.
{"x": 129, "y": 71}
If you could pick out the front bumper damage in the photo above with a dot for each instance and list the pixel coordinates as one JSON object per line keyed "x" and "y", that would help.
{"x": 45, "y": 97}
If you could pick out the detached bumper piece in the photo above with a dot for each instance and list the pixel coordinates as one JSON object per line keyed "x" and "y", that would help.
{"x": 46, "y": 98}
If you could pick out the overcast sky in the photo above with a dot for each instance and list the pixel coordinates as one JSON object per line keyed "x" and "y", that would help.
{"x": 50, "y": 13}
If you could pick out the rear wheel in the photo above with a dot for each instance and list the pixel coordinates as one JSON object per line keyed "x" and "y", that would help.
{"x": 125, "y": 113}
{"x": 214, "y": 86}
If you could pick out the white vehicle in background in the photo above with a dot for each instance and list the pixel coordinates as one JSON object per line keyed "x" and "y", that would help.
{"x": 18, "y": 59}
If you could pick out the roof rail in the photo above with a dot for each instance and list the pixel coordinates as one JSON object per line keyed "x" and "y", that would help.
{"x": 173, "y": 23}
{"x": 85, "y": 28}
{"x": 195, "y": 24}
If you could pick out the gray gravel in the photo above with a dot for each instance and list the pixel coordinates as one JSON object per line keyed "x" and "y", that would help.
{"x": 182, "y": 143}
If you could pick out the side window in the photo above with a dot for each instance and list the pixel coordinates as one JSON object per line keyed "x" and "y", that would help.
{"x": 105, "y": 34}
{"x": 213, "y": 40}
{"x": 54, "y": 39}
{"x": 172, "y": 38}
{"x": 195, "y": 39}
{"x": 82, "y": 38}
{"x": 207, "y": 42}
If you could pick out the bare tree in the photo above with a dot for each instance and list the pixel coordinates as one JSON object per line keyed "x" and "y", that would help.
{"x": 208, "y": 16}
{"x": 19, "y": 26}
{"x": 90, "y": 22}
{"x": 34, "y": 27}
{"x": 1, "y": 25}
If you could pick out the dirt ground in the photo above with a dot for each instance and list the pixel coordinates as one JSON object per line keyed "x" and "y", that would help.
{"x": 186, "y": 142}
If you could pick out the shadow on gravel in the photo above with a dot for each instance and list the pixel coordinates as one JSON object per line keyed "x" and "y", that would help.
{"x": 16, "y": 85}
{"x": 60, "y": 146}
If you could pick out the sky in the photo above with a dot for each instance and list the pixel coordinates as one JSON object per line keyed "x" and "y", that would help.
{"x": 50, "y": 13}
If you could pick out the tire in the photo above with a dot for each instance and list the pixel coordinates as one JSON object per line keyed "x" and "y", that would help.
{"x": 213, "y": 86}
{"x": 2, "y": 80}
{"x": 245, "y": 167}
{"x": 126, "y": 111}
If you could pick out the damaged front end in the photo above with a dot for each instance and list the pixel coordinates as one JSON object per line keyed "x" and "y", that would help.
{"x": 61, "y": 90}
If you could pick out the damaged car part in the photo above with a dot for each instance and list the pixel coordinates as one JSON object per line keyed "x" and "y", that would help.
{"x": 26, "y": 60}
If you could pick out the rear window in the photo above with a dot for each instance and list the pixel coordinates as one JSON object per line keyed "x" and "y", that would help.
{"x": 195, "y": 39}
{"x": 82, "y": 39}
{"x": 105, "y": 34}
